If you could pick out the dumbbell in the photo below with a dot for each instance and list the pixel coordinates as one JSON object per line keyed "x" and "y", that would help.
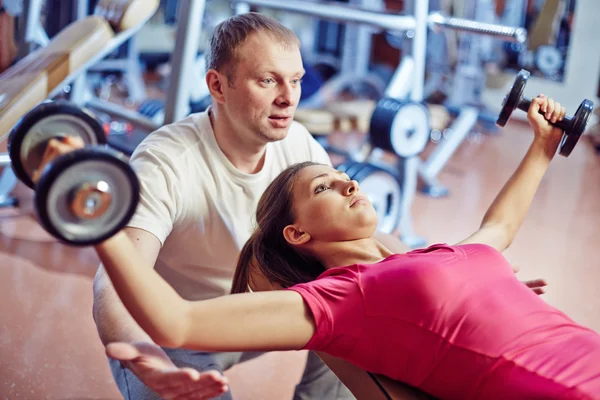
{"x": 82, "y": 197}
{"x": 573, "y": 127}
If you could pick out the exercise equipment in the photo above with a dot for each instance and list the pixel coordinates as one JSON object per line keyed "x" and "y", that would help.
{"x": 401, "y": 127}
{"x": 82, "y": 197}
{"x": 43, "y": 73}
{"x": 549, "y": 60}
{"x": 460, "y": 90}
{"x": 381, "y": 187}
{"x": 28, "y": 140}
{"x": 52, "y": 64}
{"x": 573, "y": 127}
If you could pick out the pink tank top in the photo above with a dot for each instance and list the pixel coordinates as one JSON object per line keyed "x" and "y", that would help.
{"x": 455, "y": 322}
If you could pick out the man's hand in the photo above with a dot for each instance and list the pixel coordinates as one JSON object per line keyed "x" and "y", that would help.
{"x": 537, "y": 285}
{"x": 154, "y": 368}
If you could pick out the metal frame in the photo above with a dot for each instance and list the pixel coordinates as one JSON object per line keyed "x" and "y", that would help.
{"x": 32, "y": 32}
{"x": 189, "y": 17}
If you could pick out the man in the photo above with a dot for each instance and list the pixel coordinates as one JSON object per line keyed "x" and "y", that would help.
{"x": 201, "y": 179}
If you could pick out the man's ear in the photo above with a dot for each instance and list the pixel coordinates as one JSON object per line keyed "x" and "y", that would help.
{"x": 295, "y": 236}
{"x": 215, "y": 82}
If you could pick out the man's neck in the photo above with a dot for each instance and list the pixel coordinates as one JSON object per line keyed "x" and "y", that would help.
{"x": 247, "y": 157}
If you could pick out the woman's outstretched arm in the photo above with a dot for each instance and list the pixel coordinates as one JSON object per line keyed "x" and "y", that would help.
{"x": 506, "y": 214}
{"x": 277, "y": 320}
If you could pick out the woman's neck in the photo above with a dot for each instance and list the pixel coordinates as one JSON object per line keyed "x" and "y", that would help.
{"x": 361, "y": 251}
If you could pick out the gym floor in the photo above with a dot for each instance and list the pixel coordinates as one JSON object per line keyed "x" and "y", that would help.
{"x": 49, "y": 348}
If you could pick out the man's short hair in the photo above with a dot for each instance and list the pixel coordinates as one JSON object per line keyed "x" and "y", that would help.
{"x": 230, "y": 34}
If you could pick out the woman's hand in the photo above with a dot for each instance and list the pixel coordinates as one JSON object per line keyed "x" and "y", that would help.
{"x": 545, "y": 133}
{"x": 54, "y": 149}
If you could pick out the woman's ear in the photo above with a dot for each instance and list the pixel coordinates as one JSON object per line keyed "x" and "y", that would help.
{"x": 295, "y": 236}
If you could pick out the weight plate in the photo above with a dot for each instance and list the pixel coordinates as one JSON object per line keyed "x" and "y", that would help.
{"x": 65, "y": 189}
{"x": 384, "y": 192}
{"x": 410, "y": 130}
{"x": 27, "y": 141}
{"x": 401, "y": 127}
{"x": 513, "y": 97}
{"x": 548, "y": 59}
{"x": 578, "y": 125}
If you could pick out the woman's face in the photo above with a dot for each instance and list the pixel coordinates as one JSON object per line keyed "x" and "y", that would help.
{"x": 330, "y": 207}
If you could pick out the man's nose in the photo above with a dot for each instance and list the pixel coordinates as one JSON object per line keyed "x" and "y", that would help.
{"x": 286, "y": 96}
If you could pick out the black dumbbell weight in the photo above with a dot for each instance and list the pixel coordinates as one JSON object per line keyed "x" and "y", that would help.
{"x": 573, "y": 127}
{"x": 82, "y": 197}
{"x": 86, "y": 196}
{"x": 49, "y": 120}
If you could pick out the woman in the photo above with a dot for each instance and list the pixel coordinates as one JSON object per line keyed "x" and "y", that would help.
{"x": 430, "y": 318}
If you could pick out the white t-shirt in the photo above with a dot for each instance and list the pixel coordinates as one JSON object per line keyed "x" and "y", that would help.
{"x": 199, "y": 205}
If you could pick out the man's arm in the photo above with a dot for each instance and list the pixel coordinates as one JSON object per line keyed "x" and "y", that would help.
{"x": 113, "y": 322}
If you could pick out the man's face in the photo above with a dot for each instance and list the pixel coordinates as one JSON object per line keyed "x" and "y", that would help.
{"x": 265, "y": 91}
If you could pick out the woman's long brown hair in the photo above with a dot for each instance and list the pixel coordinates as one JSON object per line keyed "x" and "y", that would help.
{"x": 267, "y": 251}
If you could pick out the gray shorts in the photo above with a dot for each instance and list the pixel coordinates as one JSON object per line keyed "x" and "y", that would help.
{"x": 318, "y": 381}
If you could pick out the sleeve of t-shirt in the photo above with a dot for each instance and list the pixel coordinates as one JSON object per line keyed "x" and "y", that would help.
{"x": 160, "y": 192}
{"x": 321, "y": 297}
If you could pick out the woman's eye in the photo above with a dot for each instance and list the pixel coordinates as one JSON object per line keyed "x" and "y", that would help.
{"x": 321, "y": 188}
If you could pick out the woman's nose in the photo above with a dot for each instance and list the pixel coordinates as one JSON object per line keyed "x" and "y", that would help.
{"x": 350, "y": 188}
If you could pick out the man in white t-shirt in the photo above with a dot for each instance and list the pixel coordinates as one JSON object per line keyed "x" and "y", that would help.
{"x": 201, "y": 179}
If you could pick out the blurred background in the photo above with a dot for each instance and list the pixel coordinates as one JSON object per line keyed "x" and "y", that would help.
{"x": 404, "y": 95}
